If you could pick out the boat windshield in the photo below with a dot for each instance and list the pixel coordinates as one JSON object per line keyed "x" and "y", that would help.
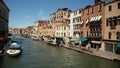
{"x": 15, "y": 47}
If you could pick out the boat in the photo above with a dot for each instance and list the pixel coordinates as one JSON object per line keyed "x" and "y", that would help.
{"x": 14, "y": 49}
{"x": 52, "y": 43}
{"x": 55, "y": 41}
{"x": 35, "y": 38}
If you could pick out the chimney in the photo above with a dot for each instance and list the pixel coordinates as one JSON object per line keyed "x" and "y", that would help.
{"x": 97, "y": 1}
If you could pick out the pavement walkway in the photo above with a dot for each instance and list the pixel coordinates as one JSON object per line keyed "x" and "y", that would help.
{"x": 94, "y": 52}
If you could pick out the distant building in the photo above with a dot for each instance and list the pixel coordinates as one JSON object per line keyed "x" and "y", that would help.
{"x": 112, "y": 26}
{"x": 61, "y": 29}
{"x": 60, "y": 15}
{"x": 4, "y": 20}
{"x": 75, "y": 23}
{"x": 36, "y": 29}
{"x": 44, "y": 28}
{"x": 28, "y": 31}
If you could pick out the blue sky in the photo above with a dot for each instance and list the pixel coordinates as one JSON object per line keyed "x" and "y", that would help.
{"x": 24, "y": 13}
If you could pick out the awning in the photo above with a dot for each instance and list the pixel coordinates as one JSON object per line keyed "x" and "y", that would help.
{"x": 83, "y": 39}
{"x": 86, "y": 21}
{"x": 97, "y": 42}
{"x": 96, "y": 18}
{"x": 118, "y": 45}
{"x": 99, "y": 17}
{"x": 91, "y": 19}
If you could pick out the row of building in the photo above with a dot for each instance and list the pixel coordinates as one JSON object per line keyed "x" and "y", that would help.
{"x": 100, "y": 23}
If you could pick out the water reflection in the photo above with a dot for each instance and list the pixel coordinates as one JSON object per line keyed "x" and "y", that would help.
{"x": 37, "y": 54}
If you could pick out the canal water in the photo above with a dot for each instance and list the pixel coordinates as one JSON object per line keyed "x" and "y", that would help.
{"x": 37, "y": 54}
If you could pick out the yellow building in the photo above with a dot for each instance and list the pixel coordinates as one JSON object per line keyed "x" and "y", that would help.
{"x": 44, "y": 28}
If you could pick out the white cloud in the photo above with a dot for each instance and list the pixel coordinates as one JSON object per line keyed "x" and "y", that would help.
{"x": 28, "y": 16}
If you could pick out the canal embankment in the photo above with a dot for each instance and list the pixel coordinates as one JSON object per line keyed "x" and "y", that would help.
{"x": 94, "y": 52}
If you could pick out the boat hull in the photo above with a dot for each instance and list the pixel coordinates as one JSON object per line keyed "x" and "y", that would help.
{"x": 14, "y": 52}
{"x": 52, "y": 44}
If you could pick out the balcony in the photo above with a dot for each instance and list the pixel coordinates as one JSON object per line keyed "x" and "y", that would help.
{"x": 96, "y": 37}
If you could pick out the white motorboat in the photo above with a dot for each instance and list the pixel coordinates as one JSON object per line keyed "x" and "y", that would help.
{"x": 14, "y": 49}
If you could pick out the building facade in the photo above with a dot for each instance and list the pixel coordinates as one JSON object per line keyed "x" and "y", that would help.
{"x": 112, "y": 26}
{"x": 75, "y": 23}
{"x": 93, "y": 18}
{"x": 44, "y": 28}
{"x": 58, "y": 17}
{"x": 4, "y": 20}
{"x": 62, "y": 30}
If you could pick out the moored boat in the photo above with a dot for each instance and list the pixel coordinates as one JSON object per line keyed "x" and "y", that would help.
{"x": 14, "y": 49}
{"x": 52, "y": 43}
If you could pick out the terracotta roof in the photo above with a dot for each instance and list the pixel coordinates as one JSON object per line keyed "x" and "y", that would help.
{"x": 43, "y": 21}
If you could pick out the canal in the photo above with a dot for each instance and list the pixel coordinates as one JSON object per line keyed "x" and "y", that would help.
{"x": 37, "y": 54}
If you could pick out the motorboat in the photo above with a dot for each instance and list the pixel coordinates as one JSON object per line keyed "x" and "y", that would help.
{"x": 55, "y": 41}
{"x": 35, "y": 38}
{"x": 14, "y": 49}
{"x": 52, "y": 43}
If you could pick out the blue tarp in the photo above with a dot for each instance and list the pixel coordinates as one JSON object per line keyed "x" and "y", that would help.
{"x": 15, "y": 46}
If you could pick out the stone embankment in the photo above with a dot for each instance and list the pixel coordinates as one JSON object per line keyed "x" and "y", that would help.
{"x": 94, "y": 52}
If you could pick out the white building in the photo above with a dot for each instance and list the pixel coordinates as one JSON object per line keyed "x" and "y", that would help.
{"x": 75, "y": 23}
{"x": 35, "y": 29}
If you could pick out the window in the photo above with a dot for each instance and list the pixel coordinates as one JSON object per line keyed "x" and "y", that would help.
{"x": 64, "y": 28}
{"x": 64, "y": 13}
{"x": 118, "y": 35}
{"x": 118, "y": 20}
{"x": 113, "y": 23}
{"x": 110, "y": 8}
{"x": 64, "y": 34}
{"x": 110, "y": 35}
{"x": 92, "y": 9}
{"x": 61, "y": 34}
{"x": 100, "y": 7}
{"x": 107, "y": 22}
{"x": 118, "y": 5}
